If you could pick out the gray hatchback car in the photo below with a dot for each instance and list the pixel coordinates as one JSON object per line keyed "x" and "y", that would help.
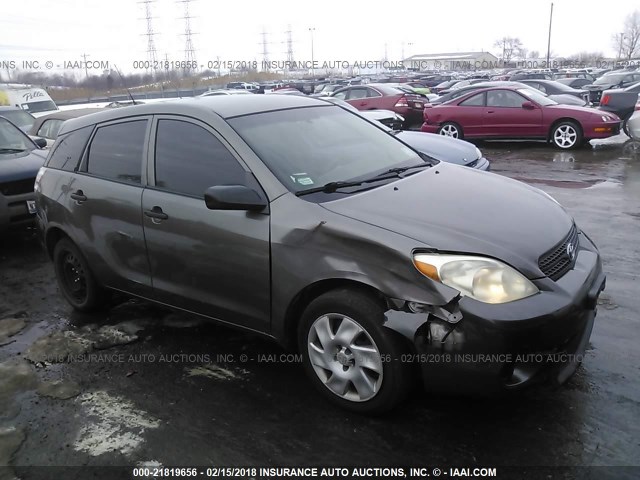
{"x": 302, "y": 221}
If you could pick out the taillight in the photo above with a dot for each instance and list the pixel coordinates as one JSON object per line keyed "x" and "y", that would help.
{"x": 402, "y": 102}
{"x": 605, "y": 100}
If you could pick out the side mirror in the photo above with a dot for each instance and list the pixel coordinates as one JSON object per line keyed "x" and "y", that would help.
{"x": 234, "y": 197}
{"x": 528, "y": 105}
{"x": 40, "y": 142}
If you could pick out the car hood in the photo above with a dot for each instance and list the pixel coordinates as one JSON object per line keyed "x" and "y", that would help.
{"x": 573, "y": 108}
{"x": 440, "y": 147}
{"x": 18, "y": 166}
{"x": 378, "y": 114}
{"x": 567, "y": 99}
{"x": 456, "y": 209}
{"x": 604, "y": 86}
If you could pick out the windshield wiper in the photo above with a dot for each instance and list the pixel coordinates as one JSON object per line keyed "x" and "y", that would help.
{"x": 404, "y": 169}
{"x": 334, "y": 186}
{"x": 12, "y": 150}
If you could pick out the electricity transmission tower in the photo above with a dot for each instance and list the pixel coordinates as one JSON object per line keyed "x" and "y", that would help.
{"x": 152, "y": 55}
{"x": 189, "y": 49}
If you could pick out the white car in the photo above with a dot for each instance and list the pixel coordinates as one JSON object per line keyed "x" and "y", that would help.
{"x": 225, "y": 91}
{"x": 633, "y": 125}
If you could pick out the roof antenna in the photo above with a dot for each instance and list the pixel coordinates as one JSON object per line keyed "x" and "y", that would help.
{"x": 133, "y": 102}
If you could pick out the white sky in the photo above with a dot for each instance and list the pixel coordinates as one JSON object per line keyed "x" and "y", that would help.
{"x": 353, "y": 30}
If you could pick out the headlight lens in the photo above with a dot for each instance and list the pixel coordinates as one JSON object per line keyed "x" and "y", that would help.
{"x": 605, "y": 118}
{"x": 483, "y": 279}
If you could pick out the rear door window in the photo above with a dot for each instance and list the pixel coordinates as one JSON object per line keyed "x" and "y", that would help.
{"x": 115, "y": 153}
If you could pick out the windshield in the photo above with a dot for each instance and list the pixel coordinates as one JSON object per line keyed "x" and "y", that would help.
{"x": 19, "y": 117}
{"x": 43, "y": 106}
{"x": 536, "y": 96}
{"x": 12, "y": 139}
{"x": 610, "y": 79}
{"x": 323, "y": 144}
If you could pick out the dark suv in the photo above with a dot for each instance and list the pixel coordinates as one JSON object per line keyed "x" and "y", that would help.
{"x": 300, "y": 220}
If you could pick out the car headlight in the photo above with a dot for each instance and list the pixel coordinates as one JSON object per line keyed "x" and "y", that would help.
{"x": 606, "y": 118}
{"x": 483, "y": 279}
{"x": 478, "y": 153}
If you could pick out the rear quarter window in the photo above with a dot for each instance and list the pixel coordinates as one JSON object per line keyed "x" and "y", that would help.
{"x": 67, "y": 151}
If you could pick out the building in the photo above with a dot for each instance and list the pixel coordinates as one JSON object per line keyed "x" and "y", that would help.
{"x": 453, "y": 61}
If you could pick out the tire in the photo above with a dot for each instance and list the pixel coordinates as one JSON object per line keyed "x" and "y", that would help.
{"x": 450, "y": 129}
{"x": 75, "y": 279}
{"x": 625, "y": 127}
{"x": 566, "y": 135}
{"x": 340, "y": 332}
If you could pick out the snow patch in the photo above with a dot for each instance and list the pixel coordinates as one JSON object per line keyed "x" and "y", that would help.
{"x": 211, "y": 371}
{"x": 113, "y": 424}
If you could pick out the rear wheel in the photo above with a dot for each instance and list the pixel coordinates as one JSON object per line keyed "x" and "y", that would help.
{"x": 75, "y": 279}
{"x": 566, "y": 135}
{"x": 450, "y": 129}
{"x": 350, "y": 357}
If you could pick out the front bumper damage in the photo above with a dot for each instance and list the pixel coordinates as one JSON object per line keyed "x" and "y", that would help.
{"x": 472, "y": 347}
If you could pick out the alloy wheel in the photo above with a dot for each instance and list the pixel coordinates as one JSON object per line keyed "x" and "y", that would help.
{"x": 345, "y": 357}
{"x": 565, "y": 136}
{"x": 449, "y": 131}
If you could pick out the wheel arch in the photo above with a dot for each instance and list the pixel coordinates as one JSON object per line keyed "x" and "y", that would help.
{"x": 309, "y": 293}
{"x": 52, "y": 236}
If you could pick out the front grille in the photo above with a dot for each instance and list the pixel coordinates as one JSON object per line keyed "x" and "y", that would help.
{"x": 17, "y": 187}
{"x": 556, "y": 262}
{"x": 472, "y": 164}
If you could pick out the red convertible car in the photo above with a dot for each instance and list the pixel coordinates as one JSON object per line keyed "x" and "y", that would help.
{"x": 518, "y": 113}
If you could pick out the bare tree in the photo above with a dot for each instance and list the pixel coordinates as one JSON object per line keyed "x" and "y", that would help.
{"x": 534, "y": 54}
{"x": 627, "y": 43}
{"x": 510, "y": 46}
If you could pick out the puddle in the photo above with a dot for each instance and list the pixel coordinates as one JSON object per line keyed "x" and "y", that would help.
{"x": 60, "y": 389}
{"x": 15, "y": 377}
{"x": 211, "y": 371}
{"x": 113, "y": 424}
{"x": 10, "y": 440}
{"x": 10, "y": 327}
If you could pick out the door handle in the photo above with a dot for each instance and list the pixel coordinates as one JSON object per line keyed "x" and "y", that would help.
{"x": 490, "y": 111}
{"x": 78, "y": 196}
{"x": 156, "y": 213}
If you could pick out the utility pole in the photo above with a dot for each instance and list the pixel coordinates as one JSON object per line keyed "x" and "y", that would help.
{"x": 86, "y": 71}
{"x": 313, "y": 70}
{"x": 549, "y": 40}
{"x": 265, "y": 51}
{"x": 620, "y": 49}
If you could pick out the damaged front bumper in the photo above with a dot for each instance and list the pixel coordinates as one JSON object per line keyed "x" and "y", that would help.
{"x": 472, "y": 347}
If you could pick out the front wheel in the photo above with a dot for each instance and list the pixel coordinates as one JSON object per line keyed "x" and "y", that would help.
{"x": 350, "y": 357}
{"x": 566, "y": 135}
{"x": 75, "y": 279}
{"x": 450, "y": 129}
